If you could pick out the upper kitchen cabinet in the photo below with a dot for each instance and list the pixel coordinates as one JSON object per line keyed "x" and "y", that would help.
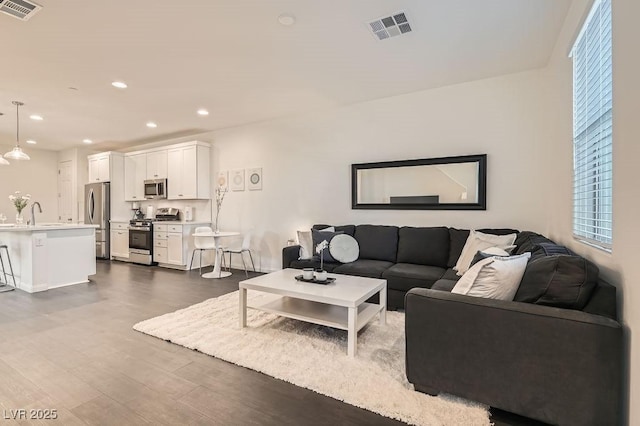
{"x": 157, "y": 164}
{"x": 188, "y": 171}
{"x": 101, "y": 166}
{"x": 135, "y": 172}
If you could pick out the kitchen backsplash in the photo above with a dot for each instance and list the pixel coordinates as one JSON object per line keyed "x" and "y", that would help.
{"x": 201, "y": 208}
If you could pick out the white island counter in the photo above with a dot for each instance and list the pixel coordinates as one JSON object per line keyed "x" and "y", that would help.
{"x": 50, "y": 255}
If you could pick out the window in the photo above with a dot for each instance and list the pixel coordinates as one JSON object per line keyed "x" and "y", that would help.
{"x": 592, "y": 129}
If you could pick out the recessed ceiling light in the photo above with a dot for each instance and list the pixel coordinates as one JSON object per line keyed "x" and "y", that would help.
{"x": 36, "y": 117}
{"x": 203, "y": 111}
{"x": 87, "y": 141}
{"x": 152, "y": 125}
{"x": 287, "y": 19}
{"x": 32, "y": 142}
{"x": 119, "y": 84}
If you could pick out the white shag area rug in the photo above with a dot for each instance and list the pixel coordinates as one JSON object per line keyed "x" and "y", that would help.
{"x": 315, "y": 357}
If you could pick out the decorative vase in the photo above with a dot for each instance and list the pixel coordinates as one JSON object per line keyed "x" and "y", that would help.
{"x": 215, "y": 224}
{"x": 19, "y": 218}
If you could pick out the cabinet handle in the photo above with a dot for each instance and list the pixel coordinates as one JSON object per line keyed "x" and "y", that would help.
{"x": 134, "y": 196}
{"x": 155, "y": 175}
{"x": 180, "y": 195}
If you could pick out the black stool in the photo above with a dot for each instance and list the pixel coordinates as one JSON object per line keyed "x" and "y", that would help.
{"x": 5, "y": 287}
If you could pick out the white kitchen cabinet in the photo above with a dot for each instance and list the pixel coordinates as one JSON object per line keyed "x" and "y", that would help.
{"x": 169, "y": 244}
{"x": 157, "y": 165}
{"x": 173, "y": 245}
{"x": 135, "y": 173}
{"x": 188, "y": 172}
{"x": 99, "y": 167}
{"x": 109, "y": 167}
{"x": 120, "y": 240}
{"x": 175, "y": 249}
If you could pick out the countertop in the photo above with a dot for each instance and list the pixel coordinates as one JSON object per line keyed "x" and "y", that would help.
{"x": 11, "y": 227}
{"x": 168, "y": 222}
{"x": 180, "y": 222}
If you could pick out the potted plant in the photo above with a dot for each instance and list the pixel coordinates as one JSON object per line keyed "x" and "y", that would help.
{"x": 20, "y": 202}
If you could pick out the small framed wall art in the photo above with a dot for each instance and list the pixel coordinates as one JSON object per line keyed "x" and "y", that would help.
{"x": 223, "y": 179}
{"x": 236, "y": 181}
{"x": 254, "y": 179}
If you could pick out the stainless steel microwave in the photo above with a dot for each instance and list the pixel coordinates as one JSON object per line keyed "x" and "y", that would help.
{"x": 155, "y": 188}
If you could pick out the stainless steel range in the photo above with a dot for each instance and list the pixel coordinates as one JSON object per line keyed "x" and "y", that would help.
{"x": 141, "y": 241}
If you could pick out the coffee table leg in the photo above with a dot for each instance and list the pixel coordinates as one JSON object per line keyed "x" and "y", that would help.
{"x": 383, "y": 306}
{"x": 243, "y": 307}
{"x": 352, "y": 335}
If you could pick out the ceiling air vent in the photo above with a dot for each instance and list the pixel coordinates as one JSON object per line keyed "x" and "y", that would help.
{"x": 390, "y": 26}
{"x": 20, "y": 9}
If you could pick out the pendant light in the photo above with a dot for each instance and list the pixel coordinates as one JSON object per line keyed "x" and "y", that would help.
{"x": 17, "y": 153}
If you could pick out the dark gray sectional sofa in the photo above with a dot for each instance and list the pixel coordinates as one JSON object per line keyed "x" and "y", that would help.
{"x": 553, "y": 354}
{"x": 407, "y": 257}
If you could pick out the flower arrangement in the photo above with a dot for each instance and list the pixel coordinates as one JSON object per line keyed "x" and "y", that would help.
{"x": 19, "y": 201}
{"x": 220, "y": 193}
{"x": 320, "y": 250}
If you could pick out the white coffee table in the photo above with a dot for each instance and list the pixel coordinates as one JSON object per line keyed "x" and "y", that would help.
{"x": 341, "y": 304}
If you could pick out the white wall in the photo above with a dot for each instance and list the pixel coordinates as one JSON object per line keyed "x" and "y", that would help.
{"x": 620, "y": 266}
{"x": 306, "y": 159}
{"x": 38, "y": 177}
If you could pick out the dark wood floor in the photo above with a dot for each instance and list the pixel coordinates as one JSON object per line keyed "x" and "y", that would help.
{"x": 73, "y": 350}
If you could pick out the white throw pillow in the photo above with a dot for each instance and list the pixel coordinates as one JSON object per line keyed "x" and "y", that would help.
{"x": 344, "y": 248}
{"x": 478, "y": 241}
{"x": 495, "y": 251}
{"x": 494, "y": 277}
{"x": 306, "y": 243}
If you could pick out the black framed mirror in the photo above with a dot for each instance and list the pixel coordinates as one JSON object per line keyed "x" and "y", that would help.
{"x": 447, "y": 183}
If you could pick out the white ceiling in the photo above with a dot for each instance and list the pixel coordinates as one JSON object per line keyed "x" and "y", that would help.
{"x": 234, "y": 58}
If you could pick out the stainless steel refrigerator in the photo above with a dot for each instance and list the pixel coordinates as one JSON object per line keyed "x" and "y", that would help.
{"x": 96, "y": 212}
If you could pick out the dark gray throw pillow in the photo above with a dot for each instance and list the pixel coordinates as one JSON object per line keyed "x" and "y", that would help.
{"x": 482, "y": 255}
{"x": 317, "y": 237}
{"x": 562, "y": 281}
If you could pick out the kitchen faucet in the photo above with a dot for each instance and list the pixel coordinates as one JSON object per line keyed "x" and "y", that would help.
{"x": 33, "y": 213}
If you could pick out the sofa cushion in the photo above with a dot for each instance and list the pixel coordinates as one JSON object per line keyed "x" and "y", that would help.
{"x": 562, "y": 281}
{"x": 377, "y": 242}
{"x": 313, "y": 263}
{"x": 423, "y": 246}
{"x": 457, "y": 240}
{"x": 405, "y": 276}
{"x": 444, "y": 285}
{"x": 347, "y": 229}
{"x": 603, "y": 301}
{"x": 363, "y": 268}
{"x": 451, "y": 274}
{"x": 527, "y": 241}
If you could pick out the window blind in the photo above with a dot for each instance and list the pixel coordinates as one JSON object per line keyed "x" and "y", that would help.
{"x": 592, "y": 128}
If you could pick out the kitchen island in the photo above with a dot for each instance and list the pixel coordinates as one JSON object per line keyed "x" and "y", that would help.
{"x": 49, "y": 255}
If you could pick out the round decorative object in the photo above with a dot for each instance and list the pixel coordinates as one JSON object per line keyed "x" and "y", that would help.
{"x": 237, "y": 179}
{"x": 254, "y": 178}
{"x": 344, "y": 248}
{"x": 222, "y": 181}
